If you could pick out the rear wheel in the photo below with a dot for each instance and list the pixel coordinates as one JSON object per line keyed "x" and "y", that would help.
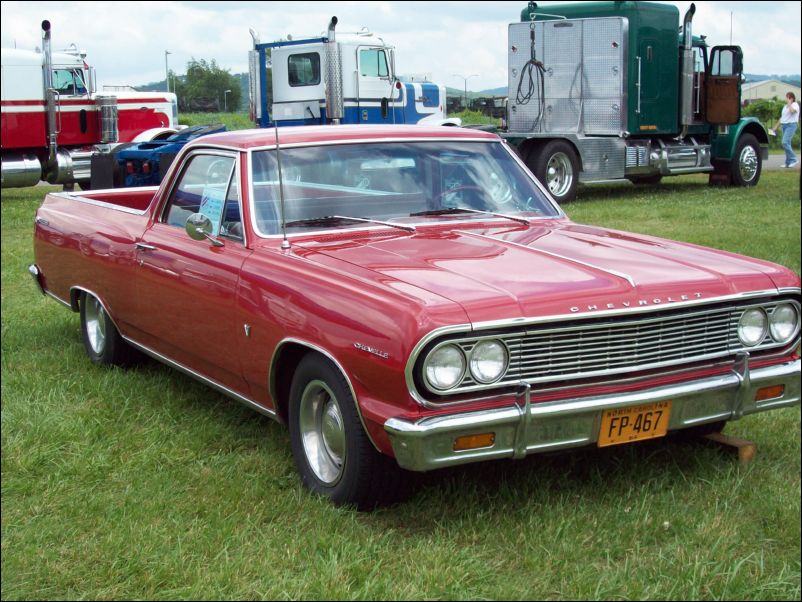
{"x": 102, "y": 342}
{"x": 746, "y": 162}
{"x": 556, "y": 165}
{"x": 332, "y": 452}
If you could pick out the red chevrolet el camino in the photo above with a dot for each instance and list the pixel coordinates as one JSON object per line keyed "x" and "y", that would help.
{"x": 412, "y": 298}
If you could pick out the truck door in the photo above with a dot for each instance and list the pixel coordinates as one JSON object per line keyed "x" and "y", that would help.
{"x": 375, "y": 88}
{"x": 723, "y": 85}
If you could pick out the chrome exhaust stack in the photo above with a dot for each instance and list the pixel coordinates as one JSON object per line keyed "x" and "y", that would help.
{"x": 334, "y": 76}
{"x": 50, "y": 94}
{"x": 686, "y": 73}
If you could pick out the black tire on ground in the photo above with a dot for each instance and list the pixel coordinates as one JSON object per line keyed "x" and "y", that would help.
{"x": 102, "y": 342}
{"x": 747, "y": 162}
{"x": 332, "y": 452}
{"x": 646, "y": 180}
{"x": 556, "y": 165}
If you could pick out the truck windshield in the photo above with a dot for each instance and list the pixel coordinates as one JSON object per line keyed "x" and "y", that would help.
{"x": 403, "y": 182}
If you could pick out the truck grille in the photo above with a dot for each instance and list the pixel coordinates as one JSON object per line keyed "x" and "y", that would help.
{"x": 602, "y": 347}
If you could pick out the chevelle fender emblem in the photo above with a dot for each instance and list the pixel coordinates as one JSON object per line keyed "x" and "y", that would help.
{"x": 640, "y": 303}
{"x": 372, "y": 350}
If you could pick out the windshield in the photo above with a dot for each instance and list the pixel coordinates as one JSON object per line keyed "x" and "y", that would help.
{"x": 400, "y": 182}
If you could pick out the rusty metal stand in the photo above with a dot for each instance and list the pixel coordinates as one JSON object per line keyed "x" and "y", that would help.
{"x": 746, "y": 449}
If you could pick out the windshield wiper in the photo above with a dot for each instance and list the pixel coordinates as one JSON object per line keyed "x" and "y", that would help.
{"x": 454, "y": 210}
{"x": 330, "y": 220}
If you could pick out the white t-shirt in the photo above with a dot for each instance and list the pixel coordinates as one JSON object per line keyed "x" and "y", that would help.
{"x": 788, "y": 116}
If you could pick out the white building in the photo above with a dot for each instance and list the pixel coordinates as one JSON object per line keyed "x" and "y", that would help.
{"x": 766, "y": 90}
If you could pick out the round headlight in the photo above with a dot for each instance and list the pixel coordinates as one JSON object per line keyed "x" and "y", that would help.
{"x": 752, "y": 327}
{"x": 488, "y": 361}
{"x": 784, "y": 322}
{"x": 445, "y": 367}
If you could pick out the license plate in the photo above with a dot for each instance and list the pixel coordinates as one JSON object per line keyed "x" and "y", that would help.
{"x": 635, "y": 423}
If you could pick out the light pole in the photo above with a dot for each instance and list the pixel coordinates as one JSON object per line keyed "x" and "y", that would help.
{"x": 166, "y": 70}
{"x": 225, "y": 101}
{"x": 465, "y": 81}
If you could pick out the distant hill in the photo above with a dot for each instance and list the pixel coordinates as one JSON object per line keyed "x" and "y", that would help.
{"x": 793, "y": 80}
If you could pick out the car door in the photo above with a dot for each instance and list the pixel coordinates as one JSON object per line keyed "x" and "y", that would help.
{"x": 186, "y": 289}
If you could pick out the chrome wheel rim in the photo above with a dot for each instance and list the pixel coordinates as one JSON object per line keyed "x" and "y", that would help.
{"x": 559, "y": 174}
{"x": 322, "y": 432}
{"x": 747, "y": 163}
{"x": 95, "y": 325}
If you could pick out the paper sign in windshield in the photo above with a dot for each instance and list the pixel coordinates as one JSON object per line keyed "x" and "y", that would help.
{"x": 212, "y": 202}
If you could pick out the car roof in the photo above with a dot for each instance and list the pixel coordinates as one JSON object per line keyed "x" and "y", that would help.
{"x": 257, "y": 138}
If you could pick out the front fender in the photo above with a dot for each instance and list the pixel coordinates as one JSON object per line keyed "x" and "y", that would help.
{"x": 723, "y": 144}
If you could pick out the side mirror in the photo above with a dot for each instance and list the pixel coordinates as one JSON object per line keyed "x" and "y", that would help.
{"x": 200, "y": 227}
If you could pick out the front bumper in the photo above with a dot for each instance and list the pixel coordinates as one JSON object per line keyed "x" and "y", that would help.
{"x": 527, "y": 428}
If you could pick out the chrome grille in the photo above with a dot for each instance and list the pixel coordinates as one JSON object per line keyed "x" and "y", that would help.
{"x": 619, "y": 345}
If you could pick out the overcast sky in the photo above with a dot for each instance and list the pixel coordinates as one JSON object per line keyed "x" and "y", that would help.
{"x": 126, "y": 41}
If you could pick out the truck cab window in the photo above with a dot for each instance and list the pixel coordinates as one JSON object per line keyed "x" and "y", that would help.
{"x": 304, "y": 69}
{"x": 724, "y": 63}
{"x": 373, "y": 63}
{"x": 203, "y": 188}
{"x": 68, "y": 81}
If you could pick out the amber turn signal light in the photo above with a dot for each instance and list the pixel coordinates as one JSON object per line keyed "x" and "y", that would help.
{"x": 770, "y": 392}
{"x": 474, "y": 441}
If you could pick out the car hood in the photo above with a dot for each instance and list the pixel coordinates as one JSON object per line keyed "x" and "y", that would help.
{"x": 551, "y": 268}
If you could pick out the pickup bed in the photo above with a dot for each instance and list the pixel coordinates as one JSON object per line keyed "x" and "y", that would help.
{"x": 412, "y": 298}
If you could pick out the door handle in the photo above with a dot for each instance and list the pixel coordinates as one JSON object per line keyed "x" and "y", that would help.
{"x": 144, "y": 246}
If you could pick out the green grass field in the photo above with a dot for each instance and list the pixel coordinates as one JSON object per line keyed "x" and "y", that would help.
{"x": 144, "y": 484}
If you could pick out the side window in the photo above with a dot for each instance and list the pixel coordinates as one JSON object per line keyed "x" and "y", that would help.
{"x": 203, "y": 188}
{"x": 231, "y": 226}
{"x": 68, "y": 81}
{"x": 373, "y": 63}
{"x": 725, "y": 62}
{"x": 304, "y": 69}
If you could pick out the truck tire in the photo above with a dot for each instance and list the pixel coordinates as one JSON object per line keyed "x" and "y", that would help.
{"x": 331, "y": 450}
{"x": 746, "y": 162}
{"x": 556, "y": 165}
{"x": 102, "y": 342}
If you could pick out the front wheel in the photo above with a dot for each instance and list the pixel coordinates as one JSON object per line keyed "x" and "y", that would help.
{"x": 556, "y": 165}
{"x": 746, "y": 162}
{"x": 332, "y": 452}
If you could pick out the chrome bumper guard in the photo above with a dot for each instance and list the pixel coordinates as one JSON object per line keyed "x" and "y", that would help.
{"x": 527, "y": 428}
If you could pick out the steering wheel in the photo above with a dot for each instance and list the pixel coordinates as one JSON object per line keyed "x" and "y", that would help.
{"x": 217, "y": 172}
{"x": 436, "y": 200}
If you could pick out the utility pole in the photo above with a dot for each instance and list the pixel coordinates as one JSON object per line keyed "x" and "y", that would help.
{"x": 465, "y": 86}
{"x": 166, "y": 70}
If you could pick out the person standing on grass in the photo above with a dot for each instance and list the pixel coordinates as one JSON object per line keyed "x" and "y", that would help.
{"x": 789, "y": 120}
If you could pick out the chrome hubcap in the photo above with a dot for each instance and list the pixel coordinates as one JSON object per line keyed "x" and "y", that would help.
{"x": 559, "y": 174}
{"x": 95, "y": 325}
{"x": 322, "y": 432}
{"x": 747, "y": 163}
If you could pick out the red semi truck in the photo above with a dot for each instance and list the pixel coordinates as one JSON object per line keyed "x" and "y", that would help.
{"x": 54, "y": 121}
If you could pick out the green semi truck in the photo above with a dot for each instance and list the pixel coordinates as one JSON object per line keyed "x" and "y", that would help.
{"x": 605, "y": 91}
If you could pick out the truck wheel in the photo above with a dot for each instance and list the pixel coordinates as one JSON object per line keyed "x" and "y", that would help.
{"x": 102, "y": 342}
{"x": 557, "y": 167}
{"x": 331, "y": 450}
{"x": 746, "y": 162}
